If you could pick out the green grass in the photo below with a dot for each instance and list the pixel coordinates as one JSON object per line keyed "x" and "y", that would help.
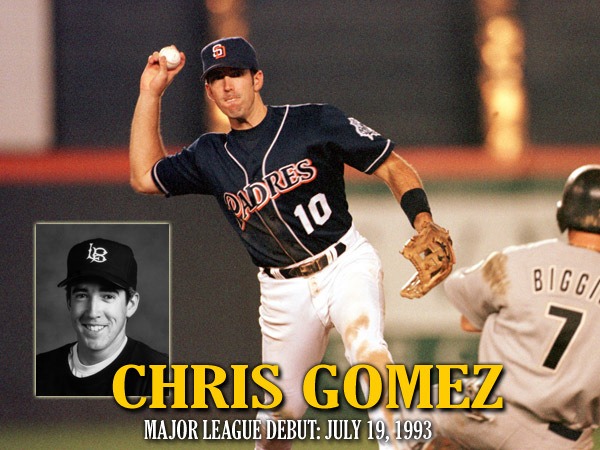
{"x": 119, "y": 437}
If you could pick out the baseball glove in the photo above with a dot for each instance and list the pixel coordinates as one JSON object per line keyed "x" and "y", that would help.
{"x": 430, "y": 251}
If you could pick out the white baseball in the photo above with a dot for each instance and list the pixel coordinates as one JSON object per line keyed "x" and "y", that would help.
{"x": 172, "y": 55}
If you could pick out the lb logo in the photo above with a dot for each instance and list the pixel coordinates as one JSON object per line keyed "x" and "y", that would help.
{"x": 219, "y": 51}
{"x": 97, "y": 254}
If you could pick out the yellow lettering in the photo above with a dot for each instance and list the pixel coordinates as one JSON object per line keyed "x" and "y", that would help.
{"x": 119, "y": 386}
{"x": 270, "y": 388}
{"x": 486, "y": 387}
{"x": 201, "y": 386}
{"x": 397, "y": 372}
{"x": 445, "y": 386}
{"x": 159, "y": 384}
{"x": 310, "y": 384}
{"x": 351, "y": 383}
{"x": 239, "y": 386}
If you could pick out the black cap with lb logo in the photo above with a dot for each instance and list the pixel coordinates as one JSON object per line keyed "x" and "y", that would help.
{"x": 102, "y": 258}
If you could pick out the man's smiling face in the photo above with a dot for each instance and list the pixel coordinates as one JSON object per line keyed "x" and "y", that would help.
{"x": 99, "y": 313}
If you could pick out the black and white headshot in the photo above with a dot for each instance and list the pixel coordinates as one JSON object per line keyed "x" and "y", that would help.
{"x": 101, "y": 302}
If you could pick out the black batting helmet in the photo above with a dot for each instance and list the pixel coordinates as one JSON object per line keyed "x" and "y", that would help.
{"x": 579, "y": 208}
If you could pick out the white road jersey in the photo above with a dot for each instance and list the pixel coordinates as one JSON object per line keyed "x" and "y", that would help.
{"x": 538, "y": 306}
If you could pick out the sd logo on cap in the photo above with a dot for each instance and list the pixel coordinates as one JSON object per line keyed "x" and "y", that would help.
{"x": 234, "y": 52}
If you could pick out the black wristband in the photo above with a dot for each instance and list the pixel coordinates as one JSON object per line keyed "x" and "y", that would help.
{"x": 414, "y": 202}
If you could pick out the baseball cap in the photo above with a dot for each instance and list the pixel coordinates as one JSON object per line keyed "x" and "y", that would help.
{"x": 102, "y": 258}
{"x": 235, "y": 52}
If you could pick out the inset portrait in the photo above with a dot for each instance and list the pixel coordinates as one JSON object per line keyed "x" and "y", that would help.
{"x": 101, "y": 302}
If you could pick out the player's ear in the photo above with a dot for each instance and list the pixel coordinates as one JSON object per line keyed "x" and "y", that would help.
{"x": 132, "y": 305}
{"x": 208, "y": 91}
{"x": 258, "y": 79}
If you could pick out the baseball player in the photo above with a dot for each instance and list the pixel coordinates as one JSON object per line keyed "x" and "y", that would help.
{"x": 101, "y": 297}
{"x": 538, "y": 309}
{"x": 278, "y": 177}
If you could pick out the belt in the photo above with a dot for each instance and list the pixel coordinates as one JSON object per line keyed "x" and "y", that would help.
{"x": 308, "y": 268}
{"x": 564, "y": 431}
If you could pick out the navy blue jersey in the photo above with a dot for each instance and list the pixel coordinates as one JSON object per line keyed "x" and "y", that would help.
{"x": 280, "y": 184}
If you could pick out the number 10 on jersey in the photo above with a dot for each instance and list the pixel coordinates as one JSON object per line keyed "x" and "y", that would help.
{"x": 318, "y": 210}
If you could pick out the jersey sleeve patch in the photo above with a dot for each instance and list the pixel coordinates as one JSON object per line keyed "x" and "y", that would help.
{"x": 362, "y": 129}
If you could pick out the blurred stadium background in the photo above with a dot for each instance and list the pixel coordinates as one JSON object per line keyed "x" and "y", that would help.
{"x": 494, "y": 102}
